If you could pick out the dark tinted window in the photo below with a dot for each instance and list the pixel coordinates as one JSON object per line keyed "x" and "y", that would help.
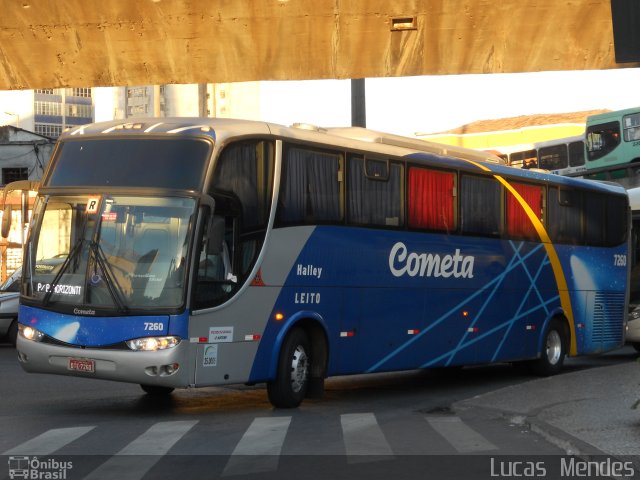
{"x": 602, "y": 139}
{"x": 245, "y": 171}
{"x": 114, "y": 162}
{"x": 553, "y": 157}
{"x": 375, "y": 192}
{"x": 564, "y": 216}
{"x": 616, "y": 220}
{"x": 311, "y": 187}
{"x": 480, "y": 211}
{"x": 576, "y": 154}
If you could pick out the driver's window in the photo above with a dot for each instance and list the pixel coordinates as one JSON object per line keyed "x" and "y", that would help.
{"x": 230, "y": 241}
{"x": 215, "y": 280}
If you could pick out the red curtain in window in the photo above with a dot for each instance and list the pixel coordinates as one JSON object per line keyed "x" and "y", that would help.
{"x": 518, "y": 222}
{"x": 430, "y": 199}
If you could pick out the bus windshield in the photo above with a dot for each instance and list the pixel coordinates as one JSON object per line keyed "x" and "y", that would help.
{"x": 110, "y": 253}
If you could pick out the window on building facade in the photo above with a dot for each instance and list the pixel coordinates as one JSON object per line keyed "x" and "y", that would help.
{"x": 75, "y": 110}
{"x": 14, "y": 174}
{"x": 137, "y": 92}
{"x": 78, "y": 92}
{"x": 135, "y": 110}
{"x": 48, "y": 130}
{"x": 48, "y": 108}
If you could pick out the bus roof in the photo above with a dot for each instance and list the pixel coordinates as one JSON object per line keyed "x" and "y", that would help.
{"x": 559, "y": 141}
{"x": 348, "y": 138}
{"x": 217, "y": 127}
{"x": 613, "y": 115}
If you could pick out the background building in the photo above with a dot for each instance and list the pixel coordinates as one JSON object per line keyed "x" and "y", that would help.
{"x": 223, "y": 100}
{"x": 46, "y": 111}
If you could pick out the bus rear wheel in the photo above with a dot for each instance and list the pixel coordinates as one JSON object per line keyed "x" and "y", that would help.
{"x": 554, "y": 350}
{"x": 156, "y": 390}
{"x": 292, "y": 379}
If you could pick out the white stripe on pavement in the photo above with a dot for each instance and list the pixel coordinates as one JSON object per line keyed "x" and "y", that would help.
{"x": 50, "y": 441}
{"x": 259, "y": 448}
{"x": 137, "y": 458}
{"x": 364, "y": 440}
{"x": 461, "y": 437}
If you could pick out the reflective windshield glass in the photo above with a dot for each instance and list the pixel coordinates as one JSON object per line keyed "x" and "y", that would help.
{"x": 176, "y": 163}
{"x": 115, "y": 252}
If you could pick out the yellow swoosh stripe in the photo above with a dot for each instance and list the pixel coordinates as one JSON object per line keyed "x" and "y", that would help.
{"x": 558, "y": 273}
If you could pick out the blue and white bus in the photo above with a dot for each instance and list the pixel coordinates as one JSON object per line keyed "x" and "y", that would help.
{"x": 201, "y": 252}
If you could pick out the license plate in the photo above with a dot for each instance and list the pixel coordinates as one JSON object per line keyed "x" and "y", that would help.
{"x": 81, "y": 365}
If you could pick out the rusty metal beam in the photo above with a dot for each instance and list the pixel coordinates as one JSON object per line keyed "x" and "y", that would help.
{"x": 53, "y": 43}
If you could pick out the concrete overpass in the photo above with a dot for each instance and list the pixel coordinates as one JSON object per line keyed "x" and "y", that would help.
{"x": 75, "y": 43}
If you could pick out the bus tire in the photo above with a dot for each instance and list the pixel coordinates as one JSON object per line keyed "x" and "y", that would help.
{"x": 554, "y": 350}
{"x": 156, "y": 390}
{"x": 292, "y": 377}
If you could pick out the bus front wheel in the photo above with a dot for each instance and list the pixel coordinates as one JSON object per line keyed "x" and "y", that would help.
{"x": 292, "y": 379}
{"x": 554, "y": 350}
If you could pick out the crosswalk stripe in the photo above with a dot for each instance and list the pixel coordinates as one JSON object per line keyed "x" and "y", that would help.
{"x": 363, "y": 438}
{"x": 461, "y": 436}
{"x": 259, "y": 448}
{"x": 137, "y": 458}
{"x": 50, "y": 441}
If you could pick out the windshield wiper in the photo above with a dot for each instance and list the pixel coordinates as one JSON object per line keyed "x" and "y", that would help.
{"x": 115, "y": 290}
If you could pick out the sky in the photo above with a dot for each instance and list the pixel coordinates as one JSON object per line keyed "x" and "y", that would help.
{"x": 431, "y": 104}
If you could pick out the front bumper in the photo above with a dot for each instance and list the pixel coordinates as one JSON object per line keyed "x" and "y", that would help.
{"x": 147, "y": 368}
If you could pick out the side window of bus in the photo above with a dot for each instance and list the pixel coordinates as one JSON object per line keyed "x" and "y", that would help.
{"x": 553, "y": 158}
{"x": 602, "y": 139}
{"x": 564, "y": 216}
{"x": 480, "y": 205}
{"x": 431, "y": 199}
{"x": 375, "y": 192}
{"x": 242, "y": 190}
{"x": 311, "y": 187}
{"x": 616, "y": 220}
{"x": 631, "y": 125}
{"x": 519, "y": 224}
{"x": 576, "y": 154}
{"x": 245, "y": 170}
{"x": 595, "y": 211}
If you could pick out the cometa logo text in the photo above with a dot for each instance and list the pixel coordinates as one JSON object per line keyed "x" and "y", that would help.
{"x": 402, "y": 262}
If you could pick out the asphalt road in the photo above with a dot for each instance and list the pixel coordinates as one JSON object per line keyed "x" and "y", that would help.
{"x": 366, "y": 426}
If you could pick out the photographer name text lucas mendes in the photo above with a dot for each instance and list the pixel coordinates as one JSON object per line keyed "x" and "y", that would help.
{"x": 567, "y": 467}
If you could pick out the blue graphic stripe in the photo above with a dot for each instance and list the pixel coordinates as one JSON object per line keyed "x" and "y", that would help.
{"x": 492, "y": 331}
{"x": 532, "y": 288}
{"x": 486, "y": 303}
{"x": 498, "y": 279}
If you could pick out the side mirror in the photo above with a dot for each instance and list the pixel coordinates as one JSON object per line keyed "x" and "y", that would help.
{"x": 6, "y": 221}
{"x": 215, "y": 235}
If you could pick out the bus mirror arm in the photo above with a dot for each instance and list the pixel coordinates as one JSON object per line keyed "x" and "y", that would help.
{"x": 6, "y": 221}
{"x": 24, "y": 186}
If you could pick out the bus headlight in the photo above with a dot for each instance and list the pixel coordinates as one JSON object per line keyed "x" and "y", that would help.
{"x": 152, "y": 344}
{"x": 30, "y": 333}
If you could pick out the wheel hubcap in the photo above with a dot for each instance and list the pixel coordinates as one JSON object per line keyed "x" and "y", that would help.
{"x": 299, "y": 367}
{"x": 554, "y": 347}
